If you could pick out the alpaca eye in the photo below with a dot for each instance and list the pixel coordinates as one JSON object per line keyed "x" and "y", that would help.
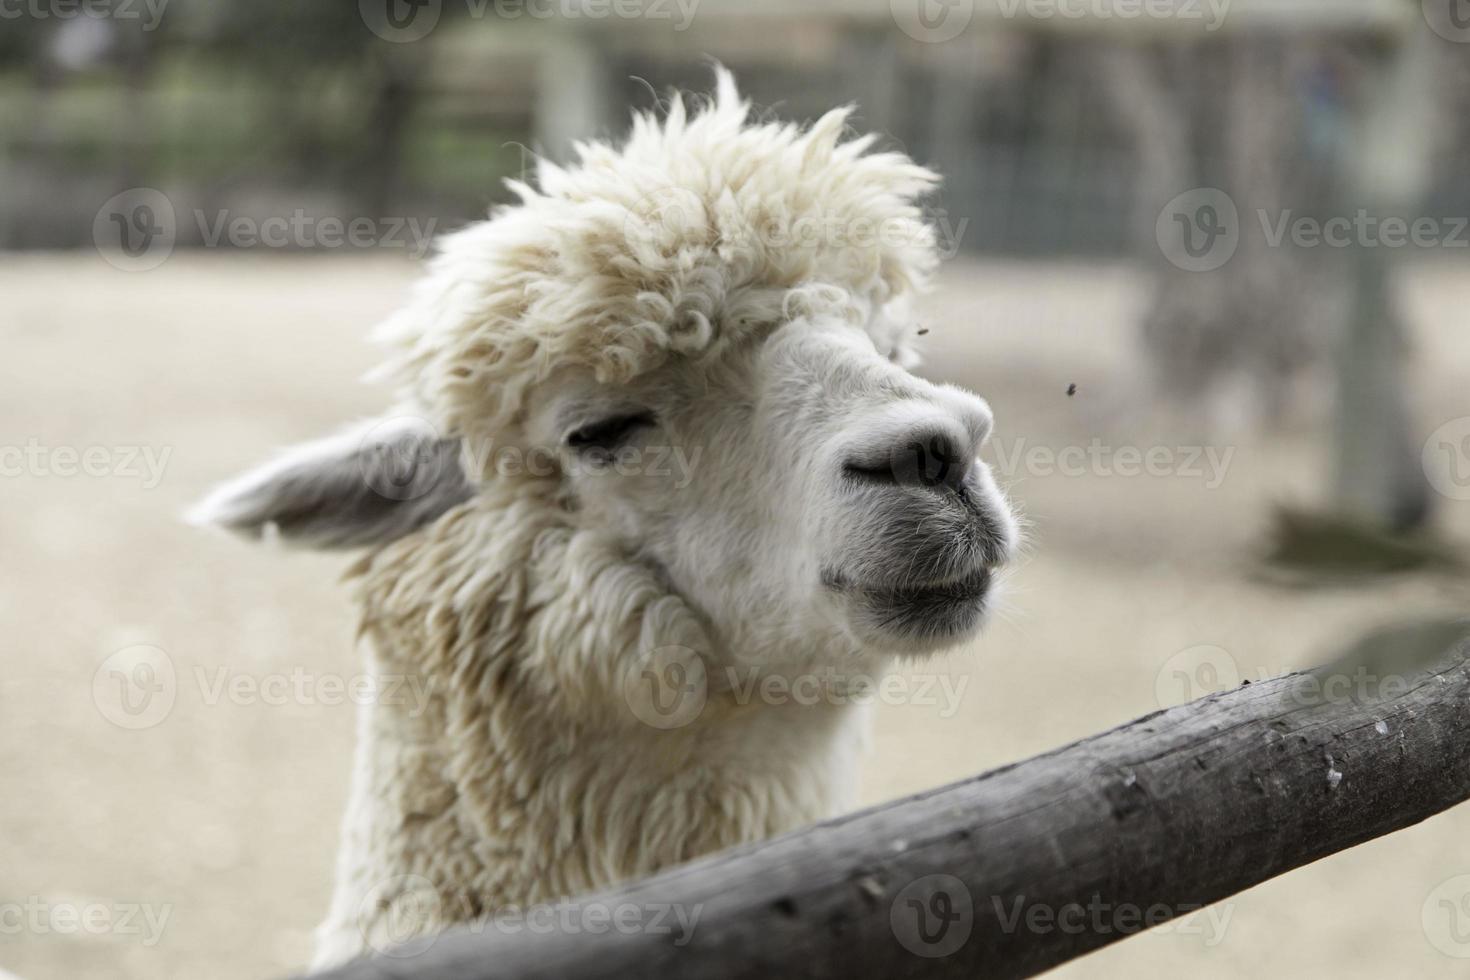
{"x": 609, "y": 433}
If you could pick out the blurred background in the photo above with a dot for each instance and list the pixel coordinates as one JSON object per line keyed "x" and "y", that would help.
{"x": 1208, "y": 260}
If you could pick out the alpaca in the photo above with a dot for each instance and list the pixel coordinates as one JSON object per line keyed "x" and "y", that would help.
{"x": 594, "y": 623}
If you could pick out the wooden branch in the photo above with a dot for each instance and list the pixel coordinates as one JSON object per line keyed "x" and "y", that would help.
{"x": 1018, "y": 870}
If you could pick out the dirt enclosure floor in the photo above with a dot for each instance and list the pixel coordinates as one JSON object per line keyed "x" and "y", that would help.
{"x": 201, "y": 844}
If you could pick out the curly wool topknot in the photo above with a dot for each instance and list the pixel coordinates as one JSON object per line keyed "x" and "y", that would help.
{"x": 699, "y": 227}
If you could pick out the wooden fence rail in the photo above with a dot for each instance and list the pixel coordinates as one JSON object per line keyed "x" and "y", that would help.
{"x": 1018, "y": 870}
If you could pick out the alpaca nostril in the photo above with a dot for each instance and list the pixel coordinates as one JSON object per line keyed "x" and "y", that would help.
{"x": 931, "y": 460}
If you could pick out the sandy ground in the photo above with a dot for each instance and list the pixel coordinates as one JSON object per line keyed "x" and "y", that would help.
{"x": 199, "y": 842}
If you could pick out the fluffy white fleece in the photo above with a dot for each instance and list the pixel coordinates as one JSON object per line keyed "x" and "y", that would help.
{"x": 527, "y": 777}
{"x": 694, "y": 232}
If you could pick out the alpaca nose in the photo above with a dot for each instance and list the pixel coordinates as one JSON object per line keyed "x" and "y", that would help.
{"x": 933, "y": 456}
{"x": 932, "y": 459}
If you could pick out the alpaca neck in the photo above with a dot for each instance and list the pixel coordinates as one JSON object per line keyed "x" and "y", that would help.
{"x": 527, "y": 774}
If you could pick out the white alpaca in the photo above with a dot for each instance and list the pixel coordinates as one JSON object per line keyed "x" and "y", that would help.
{"x": 656, "y": 444}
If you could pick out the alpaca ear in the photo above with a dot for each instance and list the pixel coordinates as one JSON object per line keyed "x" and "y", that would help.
{"x": 366, "y": 486}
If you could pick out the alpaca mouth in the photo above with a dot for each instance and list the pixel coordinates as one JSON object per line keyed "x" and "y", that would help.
{"x": 925, "y": 611}
{"x": 971, "y": 586}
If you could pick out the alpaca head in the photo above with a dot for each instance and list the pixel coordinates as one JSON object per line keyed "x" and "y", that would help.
{"x": 695, "y": 346}
{"x": 799, "y": 488}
